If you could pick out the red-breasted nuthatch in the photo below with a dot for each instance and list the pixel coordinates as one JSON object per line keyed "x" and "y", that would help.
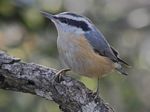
{"x": 83, "y": 48}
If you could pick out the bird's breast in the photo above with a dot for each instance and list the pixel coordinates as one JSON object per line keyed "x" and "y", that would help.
{"x": 77, "y": 54}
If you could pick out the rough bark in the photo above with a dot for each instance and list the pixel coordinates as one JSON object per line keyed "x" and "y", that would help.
{"x": 70, "y": 94}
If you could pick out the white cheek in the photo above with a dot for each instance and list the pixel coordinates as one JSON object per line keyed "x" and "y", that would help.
{"x": 70, "y": 29}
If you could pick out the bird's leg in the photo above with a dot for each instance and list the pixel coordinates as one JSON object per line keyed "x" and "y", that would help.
{"x": 96, "y": 94}
{"x": 98, "y": 86}
{"x": 62, "y": 72}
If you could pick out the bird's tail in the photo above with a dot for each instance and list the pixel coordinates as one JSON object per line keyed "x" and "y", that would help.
{"x": 123, "y": 62}
{"x": 120, "y": 69}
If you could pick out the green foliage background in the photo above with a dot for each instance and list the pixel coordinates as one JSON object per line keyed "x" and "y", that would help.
{"x": 24, "y": 33}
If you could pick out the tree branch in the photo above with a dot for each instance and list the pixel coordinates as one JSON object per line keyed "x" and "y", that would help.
{"x": 70, "y": 94}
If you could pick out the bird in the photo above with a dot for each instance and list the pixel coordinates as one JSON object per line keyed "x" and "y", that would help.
{"x": 82, "y": 47}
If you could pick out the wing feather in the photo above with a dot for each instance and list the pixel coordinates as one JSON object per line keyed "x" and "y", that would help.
{"x": 100, "y": 44}
{"x": 117, "y": 55}
{"x": 102, "y": 47}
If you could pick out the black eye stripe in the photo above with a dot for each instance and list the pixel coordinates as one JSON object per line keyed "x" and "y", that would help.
{"x": 79, "y": 24}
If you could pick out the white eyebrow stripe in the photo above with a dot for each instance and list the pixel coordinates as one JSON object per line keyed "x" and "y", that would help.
{"x": 71, "y": 17}
{"x": 64, "y": 15}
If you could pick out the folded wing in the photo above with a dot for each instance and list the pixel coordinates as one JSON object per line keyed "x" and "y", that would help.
{"x": 102, "y": 47}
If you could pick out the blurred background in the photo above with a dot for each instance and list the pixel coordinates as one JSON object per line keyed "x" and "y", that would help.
{"x": 24, "y": 33}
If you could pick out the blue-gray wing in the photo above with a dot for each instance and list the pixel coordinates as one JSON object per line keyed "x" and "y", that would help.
{"x": 102, "y": 47}
{"x": 100, "y": 44}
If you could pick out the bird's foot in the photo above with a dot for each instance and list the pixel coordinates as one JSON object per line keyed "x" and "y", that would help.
{"x": 60, "y": 73}
{"x": 96, "y": 95}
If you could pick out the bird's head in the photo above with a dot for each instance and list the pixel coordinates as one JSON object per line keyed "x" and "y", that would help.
{"x": 70, "y": 22}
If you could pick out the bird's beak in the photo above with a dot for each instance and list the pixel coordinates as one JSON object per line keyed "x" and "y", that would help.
{"x": 48, "y": 15}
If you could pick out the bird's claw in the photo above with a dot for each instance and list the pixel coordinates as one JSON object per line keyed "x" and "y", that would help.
{"x": 60, "y": 73}
{"x": 95, "y": 95}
